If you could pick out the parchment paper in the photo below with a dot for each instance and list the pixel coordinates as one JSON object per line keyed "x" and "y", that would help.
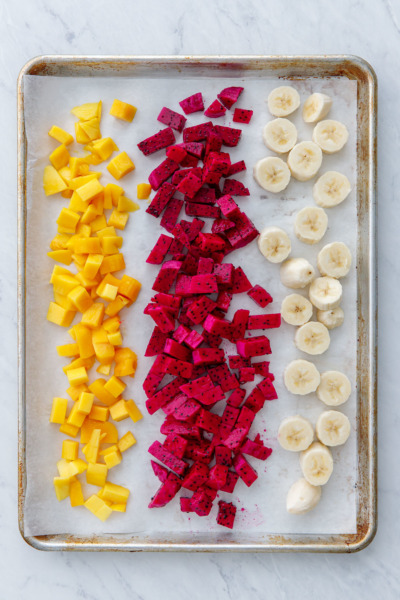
{"x": 261, "y": 509}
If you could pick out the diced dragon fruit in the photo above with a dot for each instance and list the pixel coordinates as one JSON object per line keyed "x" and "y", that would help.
{"x": 212, "y": 340}
{"x": 223, "y": 456}
{"x": 230, "y": 136}
{"x": 156, "y": 343}
{"x": 176, "y": 465}
{"x": 224, "y": 301}
{"x": 159, "y": 471}
{"x": 172, "y": 119}
{"x": 221, "y": 225}
{"x": 186, "y": 411}
{"x": 195, "y": 227}
{"x": 237, "y": 397}
{"x": 161, "y": 397}
{"x": 205, "y": 266}
{"x": 190, "y": 161}
{"x": 230, "y": 415}
{"x": 176, "y": 153}
{"x": 240, "y": 282}
{"x": 175, "y": 444}
{"x": 217, "y": 326}
{"x": 215, "y": 110}
{"x": 267, "y": 389}
{"x": 237, "y": 167}
{"x": 199, "y": 309}
{"x": 161, "y": 199}
{"x": 204, "y": 196}
{"x": 244, "y": 470}
{"x": 245, "y": 418}
{"x": 181, "y": 333}
{"x": 176, "y": 350}
{"x": 235, "y": 438}
{"x": 237, "y": 362}
{"x": 158, "y": 141}
{"x": 208, "y": 421}
{"x": 174, "y": 404}
{"x": 262, "y": 368}
{"x": 256, "y": 450}
{"x": 160, "y": 250}
{"x": 171, "y": 214}
{"x": 211, "y": 396}
{"x": 256, "y": 346}
{"x": 194, "y": 339}
{"x": 241, "y": 115}
{"x": 239, "y": 324}
{"x": 235, "y": 188}
{"x": 228, "y": 206}
{"x": 217, "y": 476}
{"x": 197, "y": 133}
{"x": 181, "y": 174}
{"x": 192, "y": 104}
{"x": 190, "y": 185}
{"x": 230, "y": 95}
{"x": 185, "y": 504}
{"x": 167, "y": 276}
{"x": 208, "y": 356}
{"x": 194, "y": 148}
{"x": 224, "y": 274}
{"x": 166, "y": 492}
{"x": 171, "y": 425}
{"x": 255, "y": 400}
{"x": 162, "y": 173}
{"x": 214, "y": 142}
{"x": 195, "y": 477}
{"x": 202, "y": 210}
{"x": 226, "y": 514}
{"x": 231, "y": 481}
{"x": 179, "y": 367}
{"x": 264, "y": 321}
{"x": 246, "y": 374}
{"x": 260, "y": 296}
{"x": 151, "y": 383}
{"x": 210, "y": 242}
{"x": 162, "y": 318}
{"x": 201, "y": 503}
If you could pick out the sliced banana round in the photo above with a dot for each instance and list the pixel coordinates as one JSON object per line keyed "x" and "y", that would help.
{"x": 301, "y": 377}
{"x": 317, "y": 464}
{"x": 331, "y": 318}
{"x": 280, "y": 135}
{"x": 310, "y": 224}
{"x": 302, "y": 497}
{"x": 333, "y": 428}
{"x": 331, "y": 189}
{"x": 283, "y": 100}
{"x": 334, "y": 388}
{"x": 296, "y": 310}
{"x": 316, "y": 107}
{"x": 272, "y": 174}
{"x": 305, "y": 160}
{"x": 274, "y": 244}
{"x": 325, "y": 293}
{"x": 334, "y": 260}
{"x": 313, "y": 338}
{"x": 330, "y": 135}
{"x": 297, "y": 273}
{"x": 295, "y": 433}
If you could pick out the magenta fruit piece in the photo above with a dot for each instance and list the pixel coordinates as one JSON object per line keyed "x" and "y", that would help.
{"x": 255, "y": 400}
{"x": 151, "y": 383}
{"x": 256, "y": 450}
{"x": 164, "y": 395}
{"x": 240, "y": 282}
{"x": 159, "y": 471}
{"x": 162, "y": 173}
{"x": 217, "y": 326}
{"x": 195, "y": 477}
{"x": 208, "y": 356}
{"x": 197, "y": 387}
{"x": 185, "y": 504}
{"x": 202, "y": 210}
{"x": 264, "y": 321}
{"x": 166, "y": 276}
{"x": 194, "y": 339}
{"x": 166, "y": 492}
{"x": 235, "y": 188}
{"x": 237, "y": 362}
{"x": 172, "y": 119}
{"x": 224, "y": 301}
{"x": 161, "y": 199}
{"x": 260, "y": 296}
{"x": 158, "y": 141}
{"x": 211, "y": 396}
{"x": 181, "y": 174}
{"x": 176, "y": 465}
{"x": 176, "y": 154}
{"x": 161, "y": 317}
{"x": 236, "y": 167}
{"x": 192, "y": 104}
{"x": 214, "y": 142}
{"x": 208, "y": 421}
{"x": 210, "y": 242}
{"x": 235, "y": 439}
{"x": 230, "y": 95}
{"x": 267, "y": 389}
{"x": 171, "y": 214}
{"x": 223, "y": 456}
{"x": 226, "y": 514}
{"x": 160, "y": 250}
{"x": 222, "y": 376}
{"x": 239, "y": 324}
{"x": 197, "y": 133}
{"x": 245, "y": 418}
{"x": 228, "y": 206}
{"x": 205, "y": 266}
{"x": 230, "y": 136}
{"x": 200, "y": 308}
{"x": 175, "y": 444}
{"x": 156, "y": 343}
{"x": 244, "y": 470}
{"x": 190, "y": 185}
{"x": 215, "y": 110}
{"x": 231, "y": 481}
{"x": 242, "y": 115}
{"x": 256, "y": 346}
{"x": 194, "y": 148}
{"x": 171, "y": 425}
{"x": 217, "y": 476}
{"x": 262, "y": 368}
{"x": 246, "y": 374}
{"x": 176, "y": 350}
{"x": 237, "y": 397}
{"x": 221, "y": 225}
{"x": 204, "y": 196}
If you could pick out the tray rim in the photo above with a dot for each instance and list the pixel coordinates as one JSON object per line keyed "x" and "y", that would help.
{"x": 353, "y": 67}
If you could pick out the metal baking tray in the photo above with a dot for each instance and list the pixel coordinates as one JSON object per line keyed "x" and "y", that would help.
{"x": 287, "y": 67}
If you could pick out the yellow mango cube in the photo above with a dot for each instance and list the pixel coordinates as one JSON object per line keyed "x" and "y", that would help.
{"x": 68, "y": 219}
{"x": 112, "y": 192}
{"x": 115, "y": 386}
{"x": 123, "y": 110}
{"x": 88, "y": 284}
{"x": 98, "y": 389}
{"x": 112, "y": 459}
{"x": 84, "y": 340}
{"x": 75, "y": 417}
{"x": 89, "y": 215}
{"x": 81, "y": 180}
{"x": 98, "y": 507}
{"x": 68, "y": 429}
{"x": 70, "y": 450}
{"x": 99, "y": 413}
{"x": 133, "y": 411}
{"x": 118, "y": 220}
{"x": 61, "y": 487}
{"x": 91, "y": 128}
{"x": 115, "y": 338}
{"x": 77, "y": 376}
{"x": 115, "y": 493}
{"x": 111, "y": 325}
{"x": 104, "y": 369}
{"x": 87, "y": 363}
{"x": 68, "y": 350}
{"x": 77, "y": 204}
{"x": 78, "y": 165}
{"x": 109, "y": 293}
{"x": 93, "y": 317}
{"x": 83, "y": 230}
{"x": 63, "y": 283}
{"x": 98, "y": 223}
{"x": 80, "y": 298}
{"x": 53, "y": 183}
{"x": 59, "y": 315}
{"x": 96, "y": 474}
{"x": 62, "y": 256}
{"x": 60, "y": 135}
{"x": 90, "y": 190}
{"x": 59, "y": 241}
{"x": 127, "y": 441}
{"x": 98, "y": 203}
{"x": 104, "y": 148}
{"x": 89, "y": 245}
{"x": 118, "y": 507}
{"x": 120, "y": 166}
{"x": 58, "y": 410}
{"x": 111, "y": 245}
{"x": 57, "y": 270}
{"x": 111, "y": 264}
{"x": 66, "y": 174}
{"x": 64, "y": 301}
{"x": 75, "y": 391}
{"x": 129, "y": 287}
{"x": 59, "y": 157}
{"x": 85, "y": 402}
{"x": 75, "y": 493}
{"x": 92, "y": 265}
{"x": 126, "y": 205}
{"x": 66, "y": 468}
{"x": 118, "y": 411}
{"x": 143, "y": 191}
{"x": 88, "y": 111}
{"x": 116, "y": 306}
{"x": 80, "y": 465}
{"x": 91, "y": 449}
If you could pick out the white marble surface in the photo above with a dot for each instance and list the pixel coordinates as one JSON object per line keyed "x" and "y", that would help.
{"x": 366, "y": 28}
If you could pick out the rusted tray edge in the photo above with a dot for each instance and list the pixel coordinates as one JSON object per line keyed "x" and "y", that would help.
{"x": 285, "y": 66}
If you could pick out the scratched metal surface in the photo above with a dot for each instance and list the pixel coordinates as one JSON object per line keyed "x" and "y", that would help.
{"x": 290, "y": 67}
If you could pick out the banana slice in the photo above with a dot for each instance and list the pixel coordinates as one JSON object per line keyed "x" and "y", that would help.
{"x": 331, "y": 189}
{"x": 334, "y": 260}
{"x": 330, "y": 136}
{"x": 310, "y": 224}
{"x": 272, "y": 174}
{"x": 296, "y": 310}
{"x": 280, "y": 135}
{"x": 297, "y": 273}
{"x": 325, "y": 293}
{"x": 283, "y": 100}
{"x": 295, "y": 433}
{"x": 301, "y": 377}
{"x": 305, "y": 160}
{"x": 313, "y": 338}
{"x": 274, "y": 244}
{"x": 317, "y": 464}
{"x": 302, "y": 497}
{"x": 316, "y": 107}
{"x": 334, "y": 389}
{"x": 331, "y": 318}
{"x": 333, "y": 428}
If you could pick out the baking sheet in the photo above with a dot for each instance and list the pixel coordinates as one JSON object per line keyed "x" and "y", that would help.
{"x": 47, "y": 102}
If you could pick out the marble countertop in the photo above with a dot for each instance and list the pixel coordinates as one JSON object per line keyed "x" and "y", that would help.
{"x": 361, "y": 27}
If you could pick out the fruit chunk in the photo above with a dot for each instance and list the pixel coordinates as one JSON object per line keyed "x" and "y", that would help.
{"x": 230, "y": 95}
{"x": 226, "y": 514}
{"x": 123, "y": 110}
{"x": 242, "y": 116}
{"x": 172, "y": 119}
{"x": 53, "y": 183}
{"x": 192, "y": 104}
{"x": 158, "y": 141}
{"x": 61, "y": 136}
{"x": 120, "y": 166}
{"x": 143, "y": 191}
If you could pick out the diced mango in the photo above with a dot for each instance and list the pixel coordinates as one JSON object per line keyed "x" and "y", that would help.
{"x": 112, "y": 459}
{"x": 90, "y": 245}
{"x": 87, "y": 363}
{"x": 58, "y": 410}
{"x": 93, "y": 317}
{"x": 124, "y": 368}
{"x": 77, "y": 204}
{"x": 98, "y": 203}
{"x": 85, "y": 402}
{"x": 89, "y": 190}
{"x": 59, "y": 315}
{"x": 115, "y": 493}
{"x": 118, "y": 507}
{"x": 62, "y": 256}
{"x": 99, "y": 413}
{"x": 115, "y": 386}
{"x": 96, "y": 474}
{"x": 143, "y": 191}
{"x": 129, "y": 287}
{"x": 75, "y": 417}
{"x": 118, "y": 220}
{"x": 91, "y": 128}
{"x": 104, "y": 147}
{"x": 118, "y": 411}
{"x": 79, "y": 165}
{"x": 88, "y": 283}
{"x": 64, "y": 301}
{"x": 80, "y": 465}
{"x": 59, "y": 157}
{"x": 84, "y": 340}
{"x": 109, "y": 293}
{"x": 83, "y": 230}
{"x": 120, "y": 166}
{"x": 68, "y": 219}
{"x": 104, "y": 352}
{"x": 92, "y": 265}
{"x": 133, "y": 411}
{"x": 53, "y": 183}
{"x": 70, "y": 450}
{"x": 63, "y": 283}
{"x": 91, "y": 449}
{"x": 80, "y": 298}
{"x": 81, "y": 180}
{"x": 75, "y": 493}
{"x": 115, "y": 338}
{"x": 66, "y": 174}
{"x": 68, "y": 429}
{"x": 59, "y": 241}
{"x": 104, "y": 369}
{"x": 61, "y": 136}
{"x": 127, "y": 441}
{"x": 87, "y": 111}
{"x": 61, "y": 487}
{"x": 111, "y": 264}
{"x": 89, "y": 215}
{"x": 116, "y": 306}
{"x": 123, "y": 110}
{"x": 66, "y": 468}
{"x": 77, "y": 376}
{"x": 98, "y": 507}
{"x": 111, "y": 244}
{"x": 98, "y": 223}
{"x": 68, "y": 350}
{"x": 98, "y": 389}
{"x": 126, "y": 205}
{"x": 75, "y": 391}
{"x": 111, "y": 325}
